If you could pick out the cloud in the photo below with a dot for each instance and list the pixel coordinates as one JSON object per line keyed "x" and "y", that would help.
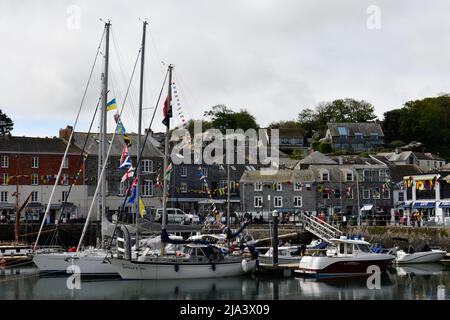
{"x": 272, "y": 58}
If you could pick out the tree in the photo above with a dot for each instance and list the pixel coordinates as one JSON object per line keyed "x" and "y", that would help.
{"x": 222, "y": 118}
{"x": 6, "y": 124}
{"x": 391, "y": 125}
{"x": 284, "y": 124}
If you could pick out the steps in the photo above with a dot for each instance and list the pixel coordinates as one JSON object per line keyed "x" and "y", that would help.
{"x": 319, "y": 228}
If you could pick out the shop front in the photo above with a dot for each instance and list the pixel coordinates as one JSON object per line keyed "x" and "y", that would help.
{"x": 445, "y": 206}
{"x": 427, "y": 210}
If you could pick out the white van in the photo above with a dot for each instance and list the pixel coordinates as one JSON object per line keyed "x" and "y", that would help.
{"x": 175, "y": 215}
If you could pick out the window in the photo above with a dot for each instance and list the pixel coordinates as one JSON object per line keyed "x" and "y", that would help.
{"x": 147, "y": 188}
{"x": 298, "y": 201}
{"x": 257, "y": 201}
{"x": 4, "y": 179}
{"x": 147, "y": 166}
{"x": 386, "y": 194}
{"x": 358, "y": 135}
{"x": 297, "y": 186}
{"x": 258, "y": 186}
{"x": 4, "y": 196}
{"x": 401, "y": 196}
{"x": 183, "y": 171}
{"x": 183, "y": 187}
{"x": 342, "y": 131}
{"x": 278, "y": 186}
{"x": 65, "y": 196}
{"x": 374, "y": 136}
{"x": 325, "y": 176}
{"x": 349, "y": 176}
{"x": 205, "y": 172}
{"x": 376, "y": 193}
{"x": 277, "y": 202}
{"x": 34, "y": 180}
{"x": 4, "y": 161}
{"x": 34, "y": 196}
{"x": 66, "y": 163}
{"x": 34, "y": 162}
{"x": 366, "y": 193}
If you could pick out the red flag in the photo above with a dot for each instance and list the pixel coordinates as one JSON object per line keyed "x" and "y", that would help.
{"x": 167, "y": 111}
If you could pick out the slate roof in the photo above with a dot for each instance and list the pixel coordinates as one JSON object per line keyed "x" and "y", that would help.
{"x": 399, "y": 171}
{"x": 317, "y": 158}
{"x": 366, "y": 128}
{"x": 35, "y": 145}
{"x": 280, "y": 176}
{"x": 149, "y": 151}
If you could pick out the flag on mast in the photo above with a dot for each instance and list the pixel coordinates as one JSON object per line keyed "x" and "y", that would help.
{"x": 167, "y": 111}
{"x": 141, "y": 207}
{"x": 111, "y": 105}
{"x": 128, "y": 174}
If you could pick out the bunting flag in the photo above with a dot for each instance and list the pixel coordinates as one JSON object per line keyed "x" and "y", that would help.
{"x": 167, "y": 112}
{"x": 111, "y": 105}
{"x": 128, "y": 174}
{"x": 127, "y": 140}
{"x": 132, "y": 197}
{"x": 124, "y": 154}
{"x": 141, "y": 207}
{"x": 126, "y": 163}
{"x": 158, "y": 182}
{"x": 120, "y": 129}
{"x": 168, "y": 172}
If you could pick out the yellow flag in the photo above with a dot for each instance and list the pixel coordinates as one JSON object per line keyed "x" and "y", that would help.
{"x": 111, "y": 105}
{"x": 141, "y": 207}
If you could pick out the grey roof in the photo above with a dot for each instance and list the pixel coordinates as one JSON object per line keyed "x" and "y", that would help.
{"x": 92, "y": 144}
{"x": 399, "y": 171}
{"x": 35, "y": 145}
{"x": 280, "y": 176}
{"x": 317, "y": 158}
{"x": 366, "y": 128}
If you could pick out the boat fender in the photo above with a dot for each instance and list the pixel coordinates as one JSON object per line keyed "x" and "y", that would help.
{"x": 177, "y": 267}
{"x": 213, "y": 267}
{"x": 244, "y": 265}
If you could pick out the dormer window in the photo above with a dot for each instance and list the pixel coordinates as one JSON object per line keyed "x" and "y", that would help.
{"x": 374, "y": 136}
{"x": 325, "y": 176}
{"x": 342, "y": 131}
{"x": 358, "y": 135}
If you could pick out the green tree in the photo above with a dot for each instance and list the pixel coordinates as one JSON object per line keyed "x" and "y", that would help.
{"x": 6, "y": 124}
{"x": 284, "y": 124}
{"x": 222, "y": 118}
{"x": 391, "y": 125}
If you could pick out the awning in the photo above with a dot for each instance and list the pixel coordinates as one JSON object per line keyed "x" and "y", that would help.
{"x": 445, "y": 204}
{"x": 423, "y": 205}
{"x": 367, "y": 207}
{"x": 7, "y": 206}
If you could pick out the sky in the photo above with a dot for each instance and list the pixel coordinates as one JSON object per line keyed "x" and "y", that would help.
{"x": 273, "y": 58}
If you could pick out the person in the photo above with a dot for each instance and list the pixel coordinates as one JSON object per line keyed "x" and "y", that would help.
{"x": 413, "y": 218}
{"x": 396, "y": 217}
{"x": 419, "y": 218}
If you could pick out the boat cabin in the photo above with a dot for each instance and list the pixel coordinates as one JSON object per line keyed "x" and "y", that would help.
{"x": 203, "y": 252}
{"x": 343, "y": 247}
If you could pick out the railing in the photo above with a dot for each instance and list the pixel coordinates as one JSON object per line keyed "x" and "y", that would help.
{"x": 320, "y": 228}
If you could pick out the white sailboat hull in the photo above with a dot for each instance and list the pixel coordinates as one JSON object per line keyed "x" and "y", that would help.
{"x": 91, "y": 263}
{"x": 144, "y": 270}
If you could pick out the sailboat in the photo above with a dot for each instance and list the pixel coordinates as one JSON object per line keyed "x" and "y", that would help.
{"x": 91, "y": 261}
{"x": 195, "y": 259}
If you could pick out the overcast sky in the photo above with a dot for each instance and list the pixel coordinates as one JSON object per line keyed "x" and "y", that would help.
{"x": 273, "y": 58}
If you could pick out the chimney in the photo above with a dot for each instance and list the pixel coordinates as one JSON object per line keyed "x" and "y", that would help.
{"x": 65, "y": 133}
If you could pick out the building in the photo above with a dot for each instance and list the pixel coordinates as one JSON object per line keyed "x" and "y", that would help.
{"x": 151, "y": 167}
{"x": 354, "y": 137}
{"x": 288, "y": 191}
{"x": 29, "y": 167}
{"x": 425, "y": 161}
{"x": 429, "y": 194}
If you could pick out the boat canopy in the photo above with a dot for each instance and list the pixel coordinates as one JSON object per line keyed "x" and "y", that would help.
{"x": 336, "y": 240}
{"x": 367, "y": 207}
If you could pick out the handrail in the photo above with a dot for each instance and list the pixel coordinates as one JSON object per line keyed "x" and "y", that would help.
{"x": 320, "y": 228}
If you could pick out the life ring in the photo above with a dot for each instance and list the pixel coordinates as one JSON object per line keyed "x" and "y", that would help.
{"x": 244, "y": 265}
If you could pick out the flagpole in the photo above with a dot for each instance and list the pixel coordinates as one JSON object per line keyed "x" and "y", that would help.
{"x": 138, "y": 145}
{"x": 166, "y": 157}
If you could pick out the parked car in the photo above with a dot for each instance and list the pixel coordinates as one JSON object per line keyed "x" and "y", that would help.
{"x": 175, "y": 215}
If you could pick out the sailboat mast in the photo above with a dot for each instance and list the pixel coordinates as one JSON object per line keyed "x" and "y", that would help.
{"x": 101, "y": 214}
{"x": 138, "y": 171}
{"x": 166, "y": 159}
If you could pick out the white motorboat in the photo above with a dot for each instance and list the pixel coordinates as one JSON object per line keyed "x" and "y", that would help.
{"x": 288, "y": 254}
{"x": 421, "y": 254}
{"x": 346, "y": 257}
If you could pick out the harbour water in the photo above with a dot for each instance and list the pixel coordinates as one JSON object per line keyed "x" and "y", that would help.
{"x": 412, "y": 282}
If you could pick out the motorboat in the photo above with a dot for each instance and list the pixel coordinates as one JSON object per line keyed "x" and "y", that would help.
{"x": 286, "y": 254}
{"x": 422, "y": 253}
{"x": 345, "y": 257}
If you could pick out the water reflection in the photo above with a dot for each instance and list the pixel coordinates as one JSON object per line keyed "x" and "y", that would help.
{"x": 429, "y": 281}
